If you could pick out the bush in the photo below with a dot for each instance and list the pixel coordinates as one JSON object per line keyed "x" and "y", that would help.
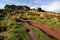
{"x": 1, "y": 38}
{"x": 17, "y": 32}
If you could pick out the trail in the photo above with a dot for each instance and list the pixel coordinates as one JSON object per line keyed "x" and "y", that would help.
{"x": 53, "y": 33}
{"x": 31, "y": 34}
{"x": 4, "y": 35}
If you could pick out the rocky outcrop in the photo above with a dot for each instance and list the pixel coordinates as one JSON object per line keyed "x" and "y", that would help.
{"x": 14, "y": 7}
{"x": 40, "y": 10}
{"x": 26, "y": 8}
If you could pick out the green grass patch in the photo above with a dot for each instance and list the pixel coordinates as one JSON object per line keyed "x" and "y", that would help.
{"x": 17, "y": 32}
{"x": 50, "y": 22}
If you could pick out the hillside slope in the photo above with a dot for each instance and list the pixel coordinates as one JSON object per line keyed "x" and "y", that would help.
{"x": 16, "y": 24}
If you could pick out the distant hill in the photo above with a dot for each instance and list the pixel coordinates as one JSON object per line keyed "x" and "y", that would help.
{"x": 26, "y": 8}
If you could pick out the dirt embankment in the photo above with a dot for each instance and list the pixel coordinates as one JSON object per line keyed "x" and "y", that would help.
{"x": 51, "y": 32}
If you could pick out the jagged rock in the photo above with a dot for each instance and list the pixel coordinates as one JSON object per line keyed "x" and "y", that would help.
{"x": 39, "y": 9}
{"x": 26, "y": 7}
{"x": 14, "y": 7}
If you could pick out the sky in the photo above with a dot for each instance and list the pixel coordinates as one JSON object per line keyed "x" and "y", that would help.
{"x": 47, "y": 5}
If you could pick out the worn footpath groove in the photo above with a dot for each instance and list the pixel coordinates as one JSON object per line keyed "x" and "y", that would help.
{"x": 46, "y": 29}
{"x": 4, "y": 35}
{"x": 31, "y": 34}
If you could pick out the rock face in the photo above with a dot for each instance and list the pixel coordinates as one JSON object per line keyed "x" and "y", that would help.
{"x": 14, "y": 7}
{"x": 40, "y": 10}
{"x": 26, "y": 8}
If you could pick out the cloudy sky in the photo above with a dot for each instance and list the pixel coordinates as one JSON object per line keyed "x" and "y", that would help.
{"x": 48, "y": 5}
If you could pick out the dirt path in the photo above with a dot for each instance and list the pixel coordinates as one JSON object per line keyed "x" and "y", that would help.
{"x": 4, "y": 35}
{"x": 56, "y": 30}
{"x": 31, "y": 34}
{"x": 46, "y": 29}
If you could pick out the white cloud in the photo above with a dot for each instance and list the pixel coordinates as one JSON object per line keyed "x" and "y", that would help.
{"x": 2, "y": 5}
{"x": 55, "y": 6}
{"x": 36, "y": 6}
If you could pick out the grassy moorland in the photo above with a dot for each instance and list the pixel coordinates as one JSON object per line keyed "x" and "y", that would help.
{"x": 10, "y": 23}
{"x": 14, "y": 29}
{"x": 53, "y": 22}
